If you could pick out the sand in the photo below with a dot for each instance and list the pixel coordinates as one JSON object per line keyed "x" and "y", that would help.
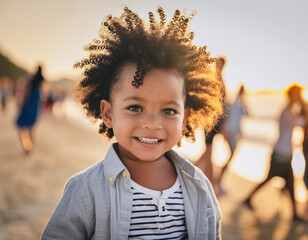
{"x": 31, "y": 185}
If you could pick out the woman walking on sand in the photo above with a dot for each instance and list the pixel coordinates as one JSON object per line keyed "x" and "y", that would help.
{"x": 29, "y": 111}
{"x": 231, "y": 129}
{"x": 282, "y": 154}
{"x": 305, "y": 150}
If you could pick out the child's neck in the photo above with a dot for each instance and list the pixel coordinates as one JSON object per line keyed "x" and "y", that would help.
{"x": 156, "y": 175}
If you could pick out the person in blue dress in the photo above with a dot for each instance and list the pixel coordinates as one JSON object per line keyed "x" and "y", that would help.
{"x": 29, "y": 111}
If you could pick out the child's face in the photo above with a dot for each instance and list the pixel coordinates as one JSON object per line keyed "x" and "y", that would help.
{"x": 148, "y": 121}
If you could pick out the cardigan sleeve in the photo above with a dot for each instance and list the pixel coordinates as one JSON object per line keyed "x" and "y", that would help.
{"x": 213, "y": 203}
{"x": 70, "y": 219}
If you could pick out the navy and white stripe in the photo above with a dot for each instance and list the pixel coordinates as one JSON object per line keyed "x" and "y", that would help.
{"x": 157, "y": 215}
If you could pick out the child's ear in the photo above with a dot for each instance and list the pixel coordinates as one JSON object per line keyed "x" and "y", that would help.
{"x": 106, "y": 113}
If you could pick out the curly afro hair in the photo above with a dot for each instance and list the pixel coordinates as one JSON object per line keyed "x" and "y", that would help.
{"x": 157, "y": 44}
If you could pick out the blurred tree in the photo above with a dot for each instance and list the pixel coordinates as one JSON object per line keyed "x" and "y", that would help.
{"x": 9, "y": 69}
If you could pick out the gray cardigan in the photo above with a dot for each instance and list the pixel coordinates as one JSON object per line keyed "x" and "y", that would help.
{"x": 97, "y": 203}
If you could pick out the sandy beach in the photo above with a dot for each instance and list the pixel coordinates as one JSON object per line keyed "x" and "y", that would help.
{"x": 31, "y": 185}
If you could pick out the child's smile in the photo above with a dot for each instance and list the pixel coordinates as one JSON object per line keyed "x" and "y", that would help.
{"x": 148, "y": 140}
{"x": 147, "y": 122}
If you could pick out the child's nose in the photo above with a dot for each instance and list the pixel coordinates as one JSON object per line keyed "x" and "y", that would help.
{"x": 151, "y": 121}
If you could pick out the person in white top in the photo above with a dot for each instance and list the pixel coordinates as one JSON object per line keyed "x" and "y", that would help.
{"x": 305, "y": 149}
{"x": 231, "y": 128}
{"x": 282, "y": 153}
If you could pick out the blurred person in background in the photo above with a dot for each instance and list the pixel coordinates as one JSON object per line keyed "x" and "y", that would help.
{"x": 231, "y": 128}
{"x": 29, "y": 112}
{"x": 282, "y": 153}
{"x": 205, "y": 162}
{"x": 305, "y": 150}
{"x": 48, "y": 104}
{"x": 5, "y": 90}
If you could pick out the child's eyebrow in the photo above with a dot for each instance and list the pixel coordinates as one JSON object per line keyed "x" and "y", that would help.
{"x": 133, "y": 98}
{"x": 172, "y": 103}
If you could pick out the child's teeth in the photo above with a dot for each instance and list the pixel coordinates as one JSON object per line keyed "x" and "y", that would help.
{"x": 149, "y": 140}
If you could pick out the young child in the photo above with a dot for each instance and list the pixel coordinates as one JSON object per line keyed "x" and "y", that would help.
{"x": 150, "y": 85}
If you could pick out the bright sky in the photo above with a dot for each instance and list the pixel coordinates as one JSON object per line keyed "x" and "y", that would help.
{"x": 265, "y": 41}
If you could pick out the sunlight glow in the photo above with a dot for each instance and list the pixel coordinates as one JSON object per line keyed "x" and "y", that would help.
{"x": 298, "y": 163}
{"x": 305, "y": 94}
{"x": 300, "y": 191}
{"x": 221, "y": 151}
{"x": 252, "y": 160}
{"x": 192, "y": 151}
{"x": 298, "y": 136}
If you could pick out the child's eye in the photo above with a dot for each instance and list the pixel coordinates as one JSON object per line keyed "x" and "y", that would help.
{"x": 134, "y": 108}
{"x": 168, "y": 111}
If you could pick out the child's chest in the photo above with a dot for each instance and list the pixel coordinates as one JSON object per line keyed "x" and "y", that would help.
{"x": 159, "y": 214}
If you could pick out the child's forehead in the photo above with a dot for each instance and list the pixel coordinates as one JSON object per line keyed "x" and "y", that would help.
{"x": 127, "y": 73}
{"x": 155, "y": 78}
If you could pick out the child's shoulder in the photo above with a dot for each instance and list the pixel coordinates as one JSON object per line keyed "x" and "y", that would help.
{"x": 88, "y": 176}
{"x": 101, "y": 172}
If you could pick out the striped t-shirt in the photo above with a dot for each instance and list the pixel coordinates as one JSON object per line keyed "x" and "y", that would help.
{"x": 157, "y": 214}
